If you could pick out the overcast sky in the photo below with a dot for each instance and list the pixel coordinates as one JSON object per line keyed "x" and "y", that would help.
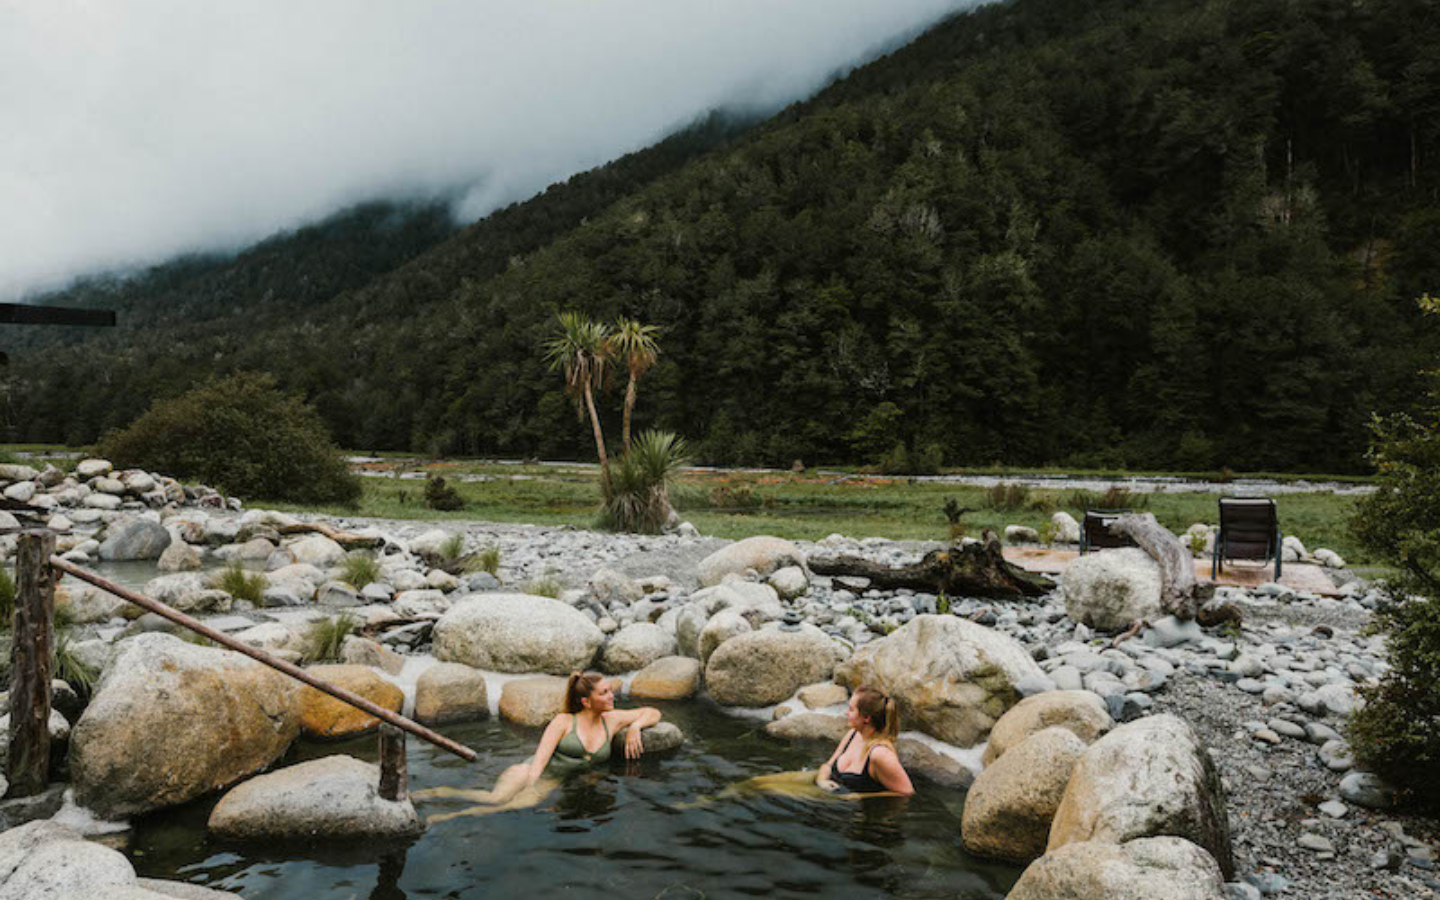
{"x": 135, "y": 130}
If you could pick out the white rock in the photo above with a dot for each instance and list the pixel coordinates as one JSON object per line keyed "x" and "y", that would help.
{"x": 1067, "y": 530}
{"x": 516, "y": 633}
{"x": 1111, "y": 589}
{"x": 636, "y": 646}
{"x": 763, "y": 554}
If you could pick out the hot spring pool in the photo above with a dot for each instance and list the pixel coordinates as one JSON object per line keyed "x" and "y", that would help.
{"x": 628, "y": 831}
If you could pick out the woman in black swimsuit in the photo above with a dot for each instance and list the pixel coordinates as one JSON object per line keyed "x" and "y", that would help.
{"x": 869, "y": 765}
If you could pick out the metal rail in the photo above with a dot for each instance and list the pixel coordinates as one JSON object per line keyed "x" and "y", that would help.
{"x": 280, "y": 665}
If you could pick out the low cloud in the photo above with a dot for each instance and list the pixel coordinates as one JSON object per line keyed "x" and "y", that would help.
{"x": 133, "y": 132}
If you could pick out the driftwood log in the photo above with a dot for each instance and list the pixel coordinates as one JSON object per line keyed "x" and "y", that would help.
{"x": 1177, "y": 568}
{"x": 346, "y": 539}
{"x": 973, "y": 570}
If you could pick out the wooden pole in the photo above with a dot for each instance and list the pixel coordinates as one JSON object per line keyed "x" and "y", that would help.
{"x": 279, "y": 665}
{"x": 394, "y": 777}
{"x": 31, "y": 648}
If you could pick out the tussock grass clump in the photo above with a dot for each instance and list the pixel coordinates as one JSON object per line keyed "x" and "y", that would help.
{"x": 453, "y": 548}
{"x": 485, "y": 560}
{"x": 69, "y": 668}
{"x": 1007, "y": 496}
{"x": 7, "y": 599}
{"x": 547, "y": 585}
{"x": 241, "y": 584}
{"x": 359, "y": 569}
{"x": 637, "y": 498}
{"x": 325, "y": 638}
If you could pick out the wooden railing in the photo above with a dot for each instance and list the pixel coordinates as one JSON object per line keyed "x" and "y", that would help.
{"x": 33, "y": 637}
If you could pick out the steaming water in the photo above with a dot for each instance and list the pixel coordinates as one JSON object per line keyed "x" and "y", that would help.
{"x": 632, "y": 830}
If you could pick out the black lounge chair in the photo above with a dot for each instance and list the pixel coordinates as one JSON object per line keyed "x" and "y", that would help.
{"x": 1249, "y": 529}
{"x": 1095, "y": 530}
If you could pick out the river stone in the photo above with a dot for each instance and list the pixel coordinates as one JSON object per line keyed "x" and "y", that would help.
{"x": 1148, "y": 778}
{"x": 951, "y": 678}
{"x": 179, "y": 557}
{"x": 256, "y": 549}
{"x": 450, "y": 692}
{"x": 361, "y": 651}
{"x": 516, "y": 633}
{"x": 608, "y": 586}
{"x": 1367, "y": 790}
{"x": 331, "y": 797}
{"x": 44, "y": 860}
{"x": 178, "y": 890}
{"x": 132, "y": 539}
{"x": 1161, "y": 868}
{"x": 808, "y": 726}
{"x": 765, "y": 667}
{"x": 919, "y": 758}
{"x": 724, "y": 625}
{"x": 1066, "y": 529}
{"x": 823, "y": 694}
{"x": 108, "y": 485}
{"x": 86, "y": 469}
{"x": 1111, "y": 589}
{"x": 317, "y": 550}
{"x": 1008, "y": 811}
{"x": 670, "y": 678}
{"x": 689, "y": 622}
{"x": 238, "y": 717}
{"x": 21, "y": 491}
{"x": 789, "y": 582}
{"x": 323, "y": 716}
{"x": 636, "y": 646}
{"x": 532, "y": 701}
{"x": 763, "y": 554}
{"x": 106, "y": 502}
{"x": 87, "y": 604}
{"x": 270, "y": 636}
{"x": 430, "y": 544}
{"x": 661, "y": 737}
{"x": 1082, "y": 712}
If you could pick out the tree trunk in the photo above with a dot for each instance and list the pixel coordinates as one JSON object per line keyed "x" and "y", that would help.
{"x": 1177, "y": 567}
{"x": 345, "y": 539}
{"x": 629, "y": 406}
{"x": 974, "y": 570}
{"x": 32, "y": 641}
{"x": 599, "y": 439}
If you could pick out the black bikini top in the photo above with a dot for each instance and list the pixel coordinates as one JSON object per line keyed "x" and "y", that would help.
{"x": 856, "y": 782}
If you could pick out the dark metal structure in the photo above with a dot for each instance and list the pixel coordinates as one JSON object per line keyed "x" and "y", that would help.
{"x": 29, "y": 314}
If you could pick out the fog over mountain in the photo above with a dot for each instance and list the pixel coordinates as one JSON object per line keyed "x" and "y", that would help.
{"x": 141, "y": 130}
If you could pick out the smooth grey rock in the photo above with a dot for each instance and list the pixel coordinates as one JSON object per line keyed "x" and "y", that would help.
{"x": 636, "y": 646}
{"x": 1367, "y": 790}
{"x": 334, "y": 797}
{"x": 134, "y": 539}
{"x": 1111, "y": 589}
{"x": 516, "y": 633}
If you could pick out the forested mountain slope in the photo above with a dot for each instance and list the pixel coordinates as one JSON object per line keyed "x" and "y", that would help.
{"x": 1166, "y": 233}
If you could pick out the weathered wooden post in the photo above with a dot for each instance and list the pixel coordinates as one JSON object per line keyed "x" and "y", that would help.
{"x": 33, "y": 637}
{"x": 394, "y": 775}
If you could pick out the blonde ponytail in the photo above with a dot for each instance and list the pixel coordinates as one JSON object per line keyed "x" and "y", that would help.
{"x": 880, "y": 708}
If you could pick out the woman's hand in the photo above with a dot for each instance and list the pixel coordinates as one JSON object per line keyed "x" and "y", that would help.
{"x": 634, "y": 742}
{"x": 825, "y": 784}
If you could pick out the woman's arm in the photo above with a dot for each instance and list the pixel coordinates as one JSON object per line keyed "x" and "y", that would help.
{"x": 637, "y": 720}
{"x": 887, "y": 770}
{"x": 548, "y": 741}
{"x": 822, "y": 775}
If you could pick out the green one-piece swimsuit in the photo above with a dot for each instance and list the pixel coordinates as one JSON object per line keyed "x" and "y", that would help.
{"x": 570, "y": 754}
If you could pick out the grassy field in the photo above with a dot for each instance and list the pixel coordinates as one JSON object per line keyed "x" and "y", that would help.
{"x": 809, "y": 506}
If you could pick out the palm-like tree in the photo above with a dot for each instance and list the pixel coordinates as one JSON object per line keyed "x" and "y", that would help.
{"x": 581, "y": 348}
{"x": 634, "y": 345}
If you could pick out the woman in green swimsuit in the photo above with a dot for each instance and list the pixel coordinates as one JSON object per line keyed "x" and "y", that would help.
{"x": 577, "y": 739}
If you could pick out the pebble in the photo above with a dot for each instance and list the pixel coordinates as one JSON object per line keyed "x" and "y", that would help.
{"x": 1315, "y": 842}
{"x": 1334, "y": 809}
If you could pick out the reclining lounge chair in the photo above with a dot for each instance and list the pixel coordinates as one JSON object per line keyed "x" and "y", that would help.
{"x": 1249, "y": 529}
{"x": 1095, "y": 530}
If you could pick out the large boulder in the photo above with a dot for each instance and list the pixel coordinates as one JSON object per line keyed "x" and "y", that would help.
{"x": 1066, "y": 530}
{"x": 808, "y": 726}
{"x": 86, "y": 604}
{"x": 323, "y": 716}
{"x": 318, "y": 550}
{"x": 1111, "y": 589}
{"x": 44, "y": 860}
{"x": 661, "y": 737}
{"x": 450, "y": 692}
{"x": 1162, "y": 868}
{"x": 131, "y": 539}
{"x": 171, "y": 721}
{"x": 636, "y": 646}
{"x": 950, "y": 677}
{"x": 532, "y": 701}
{"x": 1149, "y": 778}
{"x": 724, "y": 625}
{"x": 1009, "y": 808}
{"x": 763, "y": 554}
{"x": 608, "y": 586}
{"x": 332, "y": 797}
{"x": 671, "y": 678}
{"x": 516, "y": 633}
{"x": 1082, "y": 712}
{"x": 765, "y": 667}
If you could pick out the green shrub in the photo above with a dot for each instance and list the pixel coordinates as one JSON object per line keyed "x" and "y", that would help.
{"x": 359, "y": 569}
{"x": 242, "y": 435}
{"x": 453, "y": 548}
{"x": 1007, "y": 497}
{"x": 241, "y": 584}
{"x": 7, "y": 599}
{"x": 638, "y": 495}
{"x": 441, "y": 496}
{"x": 325, "y": 638}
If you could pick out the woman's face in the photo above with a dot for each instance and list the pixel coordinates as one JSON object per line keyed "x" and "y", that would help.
{"x": 853, "y": 718}
{"x": 602, "y": 699}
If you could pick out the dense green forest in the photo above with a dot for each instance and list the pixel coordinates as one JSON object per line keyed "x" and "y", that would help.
{"x": 1170, "y": 233}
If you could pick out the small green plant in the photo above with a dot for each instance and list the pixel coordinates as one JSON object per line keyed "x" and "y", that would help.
{"x": 486, "y": 560}
{"x": 325, "y": 638}
{"x": 441, "y": 496}
{"x": 942, "y": 604}
{"x": 359, "y": 569}
{"x": 547, "y": 585}
{"x": 241, "y": 584}
{"x": 69, "y": 668}
{"x": 1049, "y": 533}
{"x": 1197, "y": 542}
{"x": 453, "y": 548}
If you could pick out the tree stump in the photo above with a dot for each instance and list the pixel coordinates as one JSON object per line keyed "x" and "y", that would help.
{"x": 973, "y": 570}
